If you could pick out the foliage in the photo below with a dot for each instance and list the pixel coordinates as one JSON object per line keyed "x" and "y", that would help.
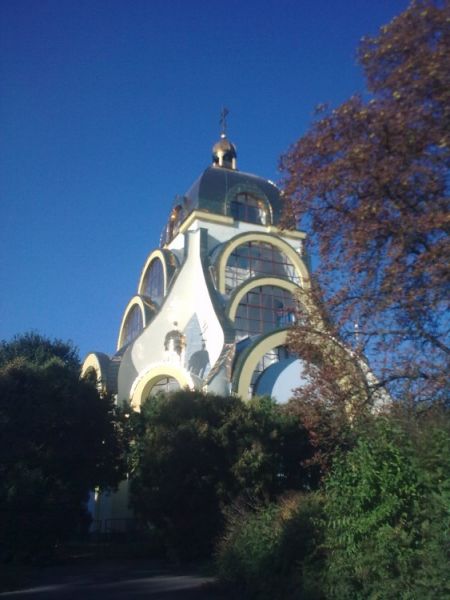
{"x": 273, "y": 551}
{"x": 333, "y": 398}
{"x": 370, "y": 180}
{"x": 271, "y": 449}
{"x": 39, "y": 350}
{"x": 194, "y": 453}
{"x": 57, "y": 441}
{"x": 378, "y": 528}
{"x": 387, "y": 512}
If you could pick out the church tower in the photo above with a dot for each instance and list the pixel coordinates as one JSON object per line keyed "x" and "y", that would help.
{"x": 214, "y": 302}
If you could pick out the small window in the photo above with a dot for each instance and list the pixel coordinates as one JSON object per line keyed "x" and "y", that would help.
{"x": 247, "y": 207}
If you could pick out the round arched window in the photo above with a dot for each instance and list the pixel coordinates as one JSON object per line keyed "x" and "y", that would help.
{"x": 154, "y": 281}
{"x": 253, "y": 259}
{"x": 263, "y": 309}
{"x": 133, "y": 325}
{"x": 272, "y": 357}
{"x": 165, "y": 385}
{"x": 248, "y": 207}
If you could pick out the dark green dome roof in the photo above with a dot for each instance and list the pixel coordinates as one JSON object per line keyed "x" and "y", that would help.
{"x": 217, "y": 188}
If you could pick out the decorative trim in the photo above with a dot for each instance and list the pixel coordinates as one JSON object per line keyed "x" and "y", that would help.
{"x": 204, "y": 216}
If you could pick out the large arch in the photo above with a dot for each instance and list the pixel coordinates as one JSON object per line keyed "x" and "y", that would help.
{"x": 285, "y": 284}
{"x": 169, "y": 264}
{"x": 267, "y": 238}
{"x": 147, "y": 311}
{"x": 143, "y": 384}
{"x": 97, "y": 363}
{"x": 250, "y": 358}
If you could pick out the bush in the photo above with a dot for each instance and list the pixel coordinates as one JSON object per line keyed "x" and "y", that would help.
{"x": 387, "y": 512}
{"x": 58, "y": 440}
{"x": 273, "y": 551}
{"x": 195, "y": 453}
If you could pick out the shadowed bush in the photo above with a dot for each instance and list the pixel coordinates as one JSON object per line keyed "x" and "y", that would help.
{"x": 274, "y": 551}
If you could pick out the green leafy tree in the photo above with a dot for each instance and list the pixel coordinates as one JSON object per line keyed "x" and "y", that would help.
{"x": 38, "y": 350}
{"x": 194, "y": 453}
{"x": 58, "y": 440}
{"x": 387, "y": 512}
{"x": 370, "y": 181}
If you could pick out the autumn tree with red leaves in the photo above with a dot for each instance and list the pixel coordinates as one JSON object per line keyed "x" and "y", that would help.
{"x": 370, "y": 181}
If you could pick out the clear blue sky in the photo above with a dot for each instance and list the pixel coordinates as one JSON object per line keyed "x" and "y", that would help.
{"x": 109, "y": 108}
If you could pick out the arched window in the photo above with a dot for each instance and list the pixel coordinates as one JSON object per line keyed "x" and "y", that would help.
{"x": 133, "y": 325}
{"x": 165, "y": 385}
{"x": 248, "y": 207}
{"x": 253, "y": 259}
{"x": 280, "y": 353}
{"x": 263, "y": 309}
{"x": 154, "y": 281}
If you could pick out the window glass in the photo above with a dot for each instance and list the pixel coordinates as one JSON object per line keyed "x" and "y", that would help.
{"x": 154, "y": 281}
{"x": 165, "y": 385}
{"x": 254, "y": 259}
{"x": 263, "y": 309}
{"x": 133, "y": 325}
{"x": 249, "y": 208}
{"x": 269, "y": 358}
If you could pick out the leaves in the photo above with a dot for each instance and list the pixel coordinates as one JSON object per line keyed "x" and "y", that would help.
{"x": 57, "y": 442}
{"x": 370, "y": 180}
{"x": 196, "y": 453}
{"x": 386, "y": 507}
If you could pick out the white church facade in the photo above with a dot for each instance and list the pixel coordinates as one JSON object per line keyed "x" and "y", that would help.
{"x": 215, "y": 301}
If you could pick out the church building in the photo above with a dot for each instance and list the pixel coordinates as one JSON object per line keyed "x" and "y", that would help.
{"x": 214, "y": 302}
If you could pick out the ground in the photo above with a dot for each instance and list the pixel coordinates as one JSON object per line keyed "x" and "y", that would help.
{"x": 112, "y": 580}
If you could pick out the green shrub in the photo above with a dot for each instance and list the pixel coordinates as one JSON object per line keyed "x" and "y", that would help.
{"x": 387, "y": 513}
{"x": 271, "y": 552}
{"x": 194, "y": 453}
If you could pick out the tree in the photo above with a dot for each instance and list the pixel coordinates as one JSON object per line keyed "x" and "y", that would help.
{"x": 195, "y": 453}
{"x": 371, "y": 182}
{"x": 39, "y": 350}
{"x": 386, "y": 511}
{"x": 58, "y": 441}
